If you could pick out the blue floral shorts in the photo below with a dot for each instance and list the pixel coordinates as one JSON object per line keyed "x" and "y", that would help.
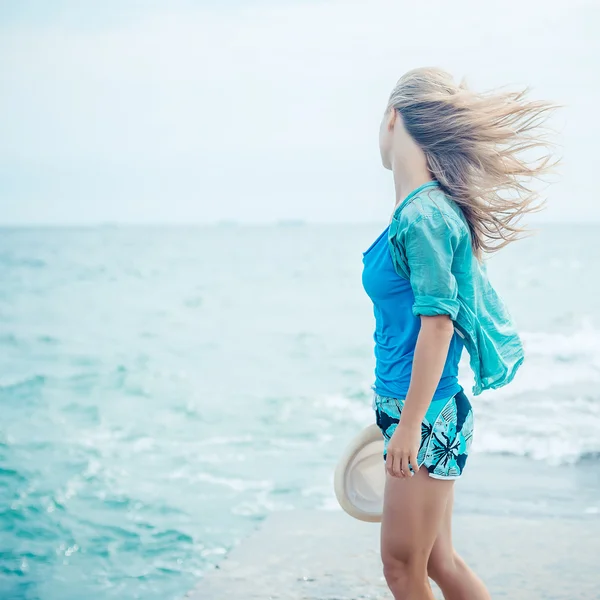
{"x": 446, "y": 432}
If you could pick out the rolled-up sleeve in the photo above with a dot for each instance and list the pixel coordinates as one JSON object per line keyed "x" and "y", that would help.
{"x": 430, "y": 245}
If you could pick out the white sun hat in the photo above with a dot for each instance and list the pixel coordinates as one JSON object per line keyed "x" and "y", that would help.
{"x": 360, "y": 476}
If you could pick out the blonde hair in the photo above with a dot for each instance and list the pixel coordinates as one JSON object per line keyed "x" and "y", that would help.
{"x": 478, "y": 148}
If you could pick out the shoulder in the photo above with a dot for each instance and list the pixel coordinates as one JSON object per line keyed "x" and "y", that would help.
{"x": 431, "y": 209}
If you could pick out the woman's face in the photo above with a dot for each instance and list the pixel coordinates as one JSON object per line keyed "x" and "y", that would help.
{"x": 386, "y": 137}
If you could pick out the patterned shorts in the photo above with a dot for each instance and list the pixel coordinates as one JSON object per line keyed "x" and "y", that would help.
{"x": 446, "y": 432}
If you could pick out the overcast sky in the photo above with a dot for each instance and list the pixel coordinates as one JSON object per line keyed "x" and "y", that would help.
{"x": 181, "y": 111}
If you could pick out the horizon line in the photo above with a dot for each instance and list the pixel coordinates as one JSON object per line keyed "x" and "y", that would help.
{"x": 229, "y": 223}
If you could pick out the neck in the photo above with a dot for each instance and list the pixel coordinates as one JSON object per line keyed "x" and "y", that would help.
{"x": 408, "y": 176}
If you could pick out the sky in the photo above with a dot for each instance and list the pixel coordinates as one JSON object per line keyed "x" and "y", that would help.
{"x": 185, "y": 111}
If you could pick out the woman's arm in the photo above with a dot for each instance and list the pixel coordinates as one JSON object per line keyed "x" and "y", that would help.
{"x": 429, "y": 359}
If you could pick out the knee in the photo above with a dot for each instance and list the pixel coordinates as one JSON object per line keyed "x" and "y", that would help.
{"x": 444, "y": 569}
{"x": 403, "y": 573}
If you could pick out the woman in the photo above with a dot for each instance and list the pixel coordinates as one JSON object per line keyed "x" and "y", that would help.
{"x": 461, "y": 186}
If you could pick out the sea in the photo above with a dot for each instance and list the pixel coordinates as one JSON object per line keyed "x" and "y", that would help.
{"x": 164, "y": 389}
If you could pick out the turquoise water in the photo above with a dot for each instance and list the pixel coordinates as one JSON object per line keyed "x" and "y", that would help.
{"x": 162, "y": 390}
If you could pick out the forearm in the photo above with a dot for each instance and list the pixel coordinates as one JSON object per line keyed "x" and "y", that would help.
{"x": 429, "y": 359}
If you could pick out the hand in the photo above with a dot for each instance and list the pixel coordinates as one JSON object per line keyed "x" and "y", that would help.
{"x": 403, "y": 449}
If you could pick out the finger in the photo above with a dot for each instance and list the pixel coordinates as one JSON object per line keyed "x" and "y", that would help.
{"x": 404, "y": 465}
{"x": 396, "y": 465}
{"x": 399, "y": 466}
{"x": 414, "y": 464}
{"x": 389, "y": 464}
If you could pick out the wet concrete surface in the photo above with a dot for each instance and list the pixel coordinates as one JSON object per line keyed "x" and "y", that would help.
{"x": 327, "y": 555}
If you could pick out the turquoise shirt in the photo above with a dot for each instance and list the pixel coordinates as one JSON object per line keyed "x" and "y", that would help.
{"x": 397, "y": 328}
{"x": 430, "y": 245}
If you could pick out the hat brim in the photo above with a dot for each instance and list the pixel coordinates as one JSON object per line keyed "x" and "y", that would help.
{"x": 359, "y": 479}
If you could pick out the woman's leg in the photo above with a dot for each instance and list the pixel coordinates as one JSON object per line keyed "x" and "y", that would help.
{"x": 413, "y": 511}
{"x": 449, "y": 570}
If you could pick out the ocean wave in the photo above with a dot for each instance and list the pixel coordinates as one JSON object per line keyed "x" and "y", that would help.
{"x": 10, "y": 262}
{"x": 551, "y": 411}
{"x": 550, "y": 449}
{"x": 13, "y": 341}
{"x": 342, "y": 408}
{"x": 235, "y": 484}
{"x": 583, "y": 344}
{"x": 593, "y": 456}
{"x": 9, "y": 339}
{"x": 23, "y": 386}
{"x": 551, "y": 360}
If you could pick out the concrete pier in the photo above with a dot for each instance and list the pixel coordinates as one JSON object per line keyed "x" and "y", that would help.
{"x": 326, "y": 555}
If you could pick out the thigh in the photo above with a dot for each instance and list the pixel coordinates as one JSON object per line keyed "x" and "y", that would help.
{"x": 443, "y": 548}
{"x": 413, "y": 511}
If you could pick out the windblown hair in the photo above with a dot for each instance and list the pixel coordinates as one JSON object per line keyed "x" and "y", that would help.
{"x": 484, "y": 149}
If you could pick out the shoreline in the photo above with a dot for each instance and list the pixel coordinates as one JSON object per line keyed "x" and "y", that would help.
{"x": 530, "y": 530}
{"x": 298, "y": 555}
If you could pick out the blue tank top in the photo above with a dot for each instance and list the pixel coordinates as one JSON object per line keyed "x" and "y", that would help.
{"x": 396, "y": 328}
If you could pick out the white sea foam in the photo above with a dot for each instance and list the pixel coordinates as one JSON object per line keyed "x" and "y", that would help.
{"x": 551, "y": 411}
{"x": 236, "y": 484}
{"x": 340, "y": 408}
